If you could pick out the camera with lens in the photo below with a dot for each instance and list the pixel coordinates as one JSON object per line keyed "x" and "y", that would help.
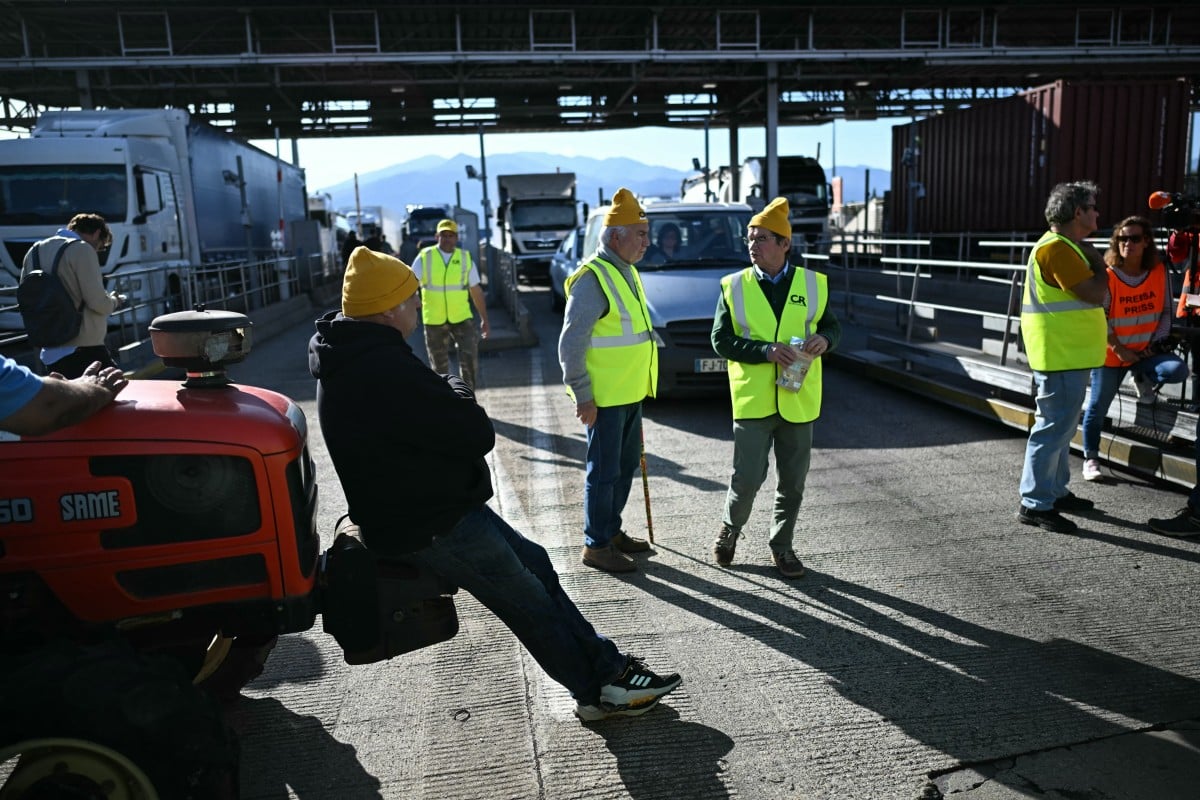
{"x": 1180, "y": 212}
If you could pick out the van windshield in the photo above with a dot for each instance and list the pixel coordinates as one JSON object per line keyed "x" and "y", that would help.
{"x": 529, "y": 215}
{"x": 52, "y": 194}
{"x": 689, "y": 239}
{"x": 425, "y": 223}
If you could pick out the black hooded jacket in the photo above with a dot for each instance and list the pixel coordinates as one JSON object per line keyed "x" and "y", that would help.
{"x": 407, "y": 443}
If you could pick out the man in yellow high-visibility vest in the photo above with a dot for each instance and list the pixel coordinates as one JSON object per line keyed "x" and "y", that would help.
{"x": 1066, "y": 335}
{"x": 449, "y": 285}
{"x": 761, "y": 309}
{"x": 610, "y": 364}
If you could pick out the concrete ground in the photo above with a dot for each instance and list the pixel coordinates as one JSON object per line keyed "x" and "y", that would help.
{"x": 936, "y": 648}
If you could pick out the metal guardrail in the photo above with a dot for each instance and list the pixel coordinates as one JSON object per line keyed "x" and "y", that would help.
{"x": 961, "y": 271}
{"x": 505, "y": 274}
{"x": 232, "y": 285}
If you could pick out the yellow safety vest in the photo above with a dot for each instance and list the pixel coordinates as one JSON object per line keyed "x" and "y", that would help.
{"x": 444, "y": 286}
{"x": 1061, "y": 332}
{"x": 622, "y": 361}
{"x": 752, "y": 386}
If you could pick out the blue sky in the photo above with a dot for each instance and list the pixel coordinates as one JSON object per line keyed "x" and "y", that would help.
{"x": 331, "y": 161}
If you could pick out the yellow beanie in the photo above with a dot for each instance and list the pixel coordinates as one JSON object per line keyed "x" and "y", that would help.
{"x": 625, "y": 209}
{"x": 375, "y": 282}
{"x": 447, "y": 225}
{"x": 774, "y": 218}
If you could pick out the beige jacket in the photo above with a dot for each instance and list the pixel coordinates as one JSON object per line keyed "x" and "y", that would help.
{"x": 79, "y": 272}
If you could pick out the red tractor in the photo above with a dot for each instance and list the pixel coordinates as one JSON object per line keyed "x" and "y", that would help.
{"x": 149, "y": 558}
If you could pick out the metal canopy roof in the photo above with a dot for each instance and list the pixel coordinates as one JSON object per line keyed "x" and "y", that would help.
{"x": 324, "y": 69}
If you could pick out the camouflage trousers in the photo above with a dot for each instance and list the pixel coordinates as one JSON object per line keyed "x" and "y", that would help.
{"x": 465, "y": 338}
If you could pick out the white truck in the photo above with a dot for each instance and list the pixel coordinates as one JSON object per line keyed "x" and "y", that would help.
{"x": 801, "y": 180}
{"x": 535, "y": 213}
{"x": 174, "y": 191}
{"x": 331, "y": 230}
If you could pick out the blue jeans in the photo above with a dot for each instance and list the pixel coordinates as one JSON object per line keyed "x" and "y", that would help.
{"x": 613, "y": 458}
{"x": 752, "y": 441}
{"x": 1162, "y": 368}
{"x": 1048, "y": 454}
{"x": 513, "y": 577}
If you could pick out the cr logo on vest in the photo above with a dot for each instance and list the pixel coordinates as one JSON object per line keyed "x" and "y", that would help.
{"x": 798, "y": 298}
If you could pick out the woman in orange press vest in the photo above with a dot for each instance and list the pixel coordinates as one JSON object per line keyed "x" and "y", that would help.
{"x": 1139, "y": 323}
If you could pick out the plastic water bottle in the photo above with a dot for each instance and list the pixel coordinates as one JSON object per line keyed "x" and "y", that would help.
{"x": 792, "y": 377}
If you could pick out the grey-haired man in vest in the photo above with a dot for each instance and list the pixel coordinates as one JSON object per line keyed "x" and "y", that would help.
{"x": 1065, "y": 334}
{"x": 609, "y": 379}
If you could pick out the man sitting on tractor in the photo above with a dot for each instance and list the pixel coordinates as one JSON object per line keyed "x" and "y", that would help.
{"x": 32, "y": 406}
{"x": 408, "y": 446}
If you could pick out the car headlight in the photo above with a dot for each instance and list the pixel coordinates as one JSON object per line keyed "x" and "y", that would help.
{"x": 658, "y": 340}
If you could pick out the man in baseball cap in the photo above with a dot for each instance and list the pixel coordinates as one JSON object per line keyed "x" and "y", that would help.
{"x": 450, "y": 285}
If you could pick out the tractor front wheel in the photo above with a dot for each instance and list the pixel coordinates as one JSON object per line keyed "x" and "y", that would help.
{"x": 75, "y": 768}
{"x": 129, "y": 720}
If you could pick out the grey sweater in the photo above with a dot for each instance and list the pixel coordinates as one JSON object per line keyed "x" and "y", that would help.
{"x": 586, "y": 304}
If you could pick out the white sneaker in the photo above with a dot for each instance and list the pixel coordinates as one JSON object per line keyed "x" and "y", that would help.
{"x": 1146, "y": 389}
{"x": 1091, "y": 469}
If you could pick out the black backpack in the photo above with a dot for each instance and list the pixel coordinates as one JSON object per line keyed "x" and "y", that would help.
{"x": 50, "y": 316}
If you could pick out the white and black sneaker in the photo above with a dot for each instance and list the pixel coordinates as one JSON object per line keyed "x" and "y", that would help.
{"x": 635, "y": 692}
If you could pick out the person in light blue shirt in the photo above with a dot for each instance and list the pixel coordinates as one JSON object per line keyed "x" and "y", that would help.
{"x": 32, "y": 406}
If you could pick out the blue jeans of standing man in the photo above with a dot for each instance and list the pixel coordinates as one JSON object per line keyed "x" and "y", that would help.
{"x": 513, "y": 577}
{"x": 613, "y": 457}
{"x": 1048, "y": 453}
{"x": 1162, "y": 368}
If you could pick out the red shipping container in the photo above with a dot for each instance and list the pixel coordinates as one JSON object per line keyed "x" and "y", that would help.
{"x": 990, "y": 168}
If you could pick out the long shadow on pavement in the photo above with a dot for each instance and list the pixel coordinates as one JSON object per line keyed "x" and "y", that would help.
{"x": 661, "y": 756}
{"x": 972, "y": 692}
{"x": 304, "y": 761}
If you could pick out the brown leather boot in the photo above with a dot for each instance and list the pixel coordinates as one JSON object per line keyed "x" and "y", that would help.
{"x": 628, "y": 544}
{"x": 609, "y": 559}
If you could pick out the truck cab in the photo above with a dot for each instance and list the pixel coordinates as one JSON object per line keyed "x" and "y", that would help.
{"x": 132, "y": 184}
{"x": 536, "y": 212}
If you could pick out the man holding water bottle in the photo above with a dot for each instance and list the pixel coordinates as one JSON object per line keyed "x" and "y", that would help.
{"x": 772, "y": 318}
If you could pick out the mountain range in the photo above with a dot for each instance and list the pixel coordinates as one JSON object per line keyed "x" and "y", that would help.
{"x": 431, "y": 180}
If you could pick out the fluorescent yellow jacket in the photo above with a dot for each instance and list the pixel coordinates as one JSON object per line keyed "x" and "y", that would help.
{"x": 622, "y": 361}
{"x": 1061, "y": 332}
{"x": 752, "y": 386}
{"x": 444, "y": 295}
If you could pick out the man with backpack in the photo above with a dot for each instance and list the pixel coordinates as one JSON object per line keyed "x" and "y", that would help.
{"x": 71, "y": 334}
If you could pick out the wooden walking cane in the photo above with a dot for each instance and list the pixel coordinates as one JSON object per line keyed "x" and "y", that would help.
{"x": 646, "y": 484}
